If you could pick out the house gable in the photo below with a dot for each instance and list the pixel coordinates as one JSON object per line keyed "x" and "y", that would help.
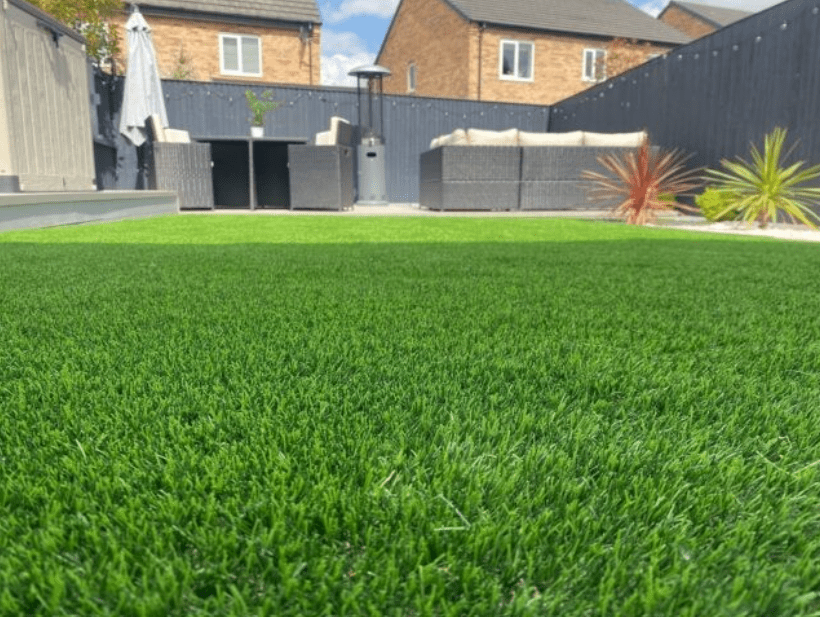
{"x": 698, "y": 20}
{"x": 452, "y": 55}
{"x": 434, "y": 39}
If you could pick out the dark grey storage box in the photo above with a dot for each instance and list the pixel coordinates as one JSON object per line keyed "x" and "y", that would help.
{"x": 184, "y": 169}
{"x": 321, "y": 177}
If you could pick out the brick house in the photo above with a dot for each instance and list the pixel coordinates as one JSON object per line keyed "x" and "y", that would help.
{"x": 270, "y": 41}
{"x": 698, "y": 20}
{"x": 527, "y": 51}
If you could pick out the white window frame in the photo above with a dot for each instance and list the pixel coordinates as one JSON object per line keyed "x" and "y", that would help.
{"x": 594, "y": 51}
{"x": 514, "y": 76}
{"x": 238, "y": 37}
{"x": 412, "y": 77}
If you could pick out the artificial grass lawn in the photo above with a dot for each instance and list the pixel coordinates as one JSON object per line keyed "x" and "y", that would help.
{"x": 322, "y": 416}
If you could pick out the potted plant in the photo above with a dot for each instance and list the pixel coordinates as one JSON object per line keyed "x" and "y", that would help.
{"x": 259, "y": 106}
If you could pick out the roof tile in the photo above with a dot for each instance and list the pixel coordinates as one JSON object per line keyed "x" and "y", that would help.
{"x": 285, "y": 10}
{"x": 615, "y": 18}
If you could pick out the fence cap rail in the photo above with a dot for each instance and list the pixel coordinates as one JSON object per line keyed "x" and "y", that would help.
{"x": 45, "y": 20}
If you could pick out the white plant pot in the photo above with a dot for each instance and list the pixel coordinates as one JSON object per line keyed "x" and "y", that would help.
{"x": 257, "y": 131}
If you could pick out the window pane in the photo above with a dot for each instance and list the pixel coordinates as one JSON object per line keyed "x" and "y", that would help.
{"x": 250, "y": 54}
{"x": 524, "y": 60}
{"x": 230, "y": 53}
{"x": 600, "y": 65}
{"x": 508, "y": 59}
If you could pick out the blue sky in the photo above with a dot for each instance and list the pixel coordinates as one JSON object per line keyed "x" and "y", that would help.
{"x": 352, "y": 30}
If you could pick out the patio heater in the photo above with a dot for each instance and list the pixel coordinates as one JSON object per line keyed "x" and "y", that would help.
{"x": 372, "y": 188}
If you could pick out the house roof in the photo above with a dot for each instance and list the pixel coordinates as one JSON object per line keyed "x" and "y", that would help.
{"x": 279, "y": 10}
{"x": 718, "y": 16}
{"x": 608, "y": 18}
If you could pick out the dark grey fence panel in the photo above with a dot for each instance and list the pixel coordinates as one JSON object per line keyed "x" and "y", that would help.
{"x": 212, "y": 109}
{"x": 207, "y": 109}
{"x": 716, "y": 95}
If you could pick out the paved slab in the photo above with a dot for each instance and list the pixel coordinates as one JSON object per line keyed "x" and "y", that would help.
{"x": 673, "y": 220}
{"x": 410, "y": 209}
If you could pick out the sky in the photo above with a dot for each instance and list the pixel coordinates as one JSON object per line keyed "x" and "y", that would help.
{"x": 353, "y": 30}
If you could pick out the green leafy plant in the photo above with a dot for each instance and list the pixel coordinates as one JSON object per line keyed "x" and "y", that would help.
{"x": 261, "y": 105}
{"x": 644, "y": 180}
{"x": 764, "y": 186}
{"x": 92, "y": 18}
{"x": 184, "y": 66}
{"x": 717, "y": 205}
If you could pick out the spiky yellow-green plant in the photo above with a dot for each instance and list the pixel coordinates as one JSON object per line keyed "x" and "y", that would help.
{"x": 644, "y": 180}
{"x": 765, "y": 186}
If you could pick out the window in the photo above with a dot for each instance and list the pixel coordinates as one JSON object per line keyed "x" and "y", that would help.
{"x": 240, "y": 55}
{"x": 516, "y": 60}
{"x": 411, "y": 78}
{"x": 594, "y": 65}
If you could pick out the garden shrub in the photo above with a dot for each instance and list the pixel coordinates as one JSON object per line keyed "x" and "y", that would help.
{"x": 713, "y": 203}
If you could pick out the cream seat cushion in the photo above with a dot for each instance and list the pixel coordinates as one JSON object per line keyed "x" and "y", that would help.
{"x": 573, "y": 138}
{"x": 613, "y": 140}
{"x": 325, "y": 138}
{"x": 177, "y": 136}
{"x": 480, "y": 137}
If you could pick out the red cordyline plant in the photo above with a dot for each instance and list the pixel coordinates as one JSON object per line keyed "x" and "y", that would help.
{"x": 645, "y": 181}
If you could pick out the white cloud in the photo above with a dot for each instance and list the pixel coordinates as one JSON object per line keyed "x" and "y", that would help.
{"x": 342, "y": 51}
{"x": 653, "y": 7}
{"x": 355, "y": 8}
{"x": 335, "y": 68}
{"x": 741, "y": 5}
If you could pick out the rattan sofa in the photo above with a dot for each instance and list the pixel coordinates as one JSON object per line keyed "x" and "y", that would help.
{"x": 475, "y": 170}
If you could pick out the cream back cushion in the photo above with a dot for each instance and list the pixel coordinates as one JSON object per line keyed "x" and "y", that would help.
{"x": 458, "y": 138}
{"x": 479, "y": 137}
{"x": 574, "y": 138}
{"x": 622, "y": 140}
{"x": 341, "y": 132}
{"x": 155, "y": 124}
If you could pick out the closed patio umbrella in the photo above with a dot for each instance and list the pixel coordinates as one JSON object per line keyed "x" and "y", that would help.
{"x": 143, "y": 90}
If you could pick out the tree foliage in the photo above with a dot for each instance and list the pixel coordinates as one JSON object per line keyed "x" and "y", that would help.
{"x": 624, "y": 54}
{"x": 91, "y": 18}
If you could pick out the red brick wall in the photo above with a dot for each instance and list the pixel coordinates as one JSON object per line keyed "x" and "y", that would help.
{"x": 285, "y": 58}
